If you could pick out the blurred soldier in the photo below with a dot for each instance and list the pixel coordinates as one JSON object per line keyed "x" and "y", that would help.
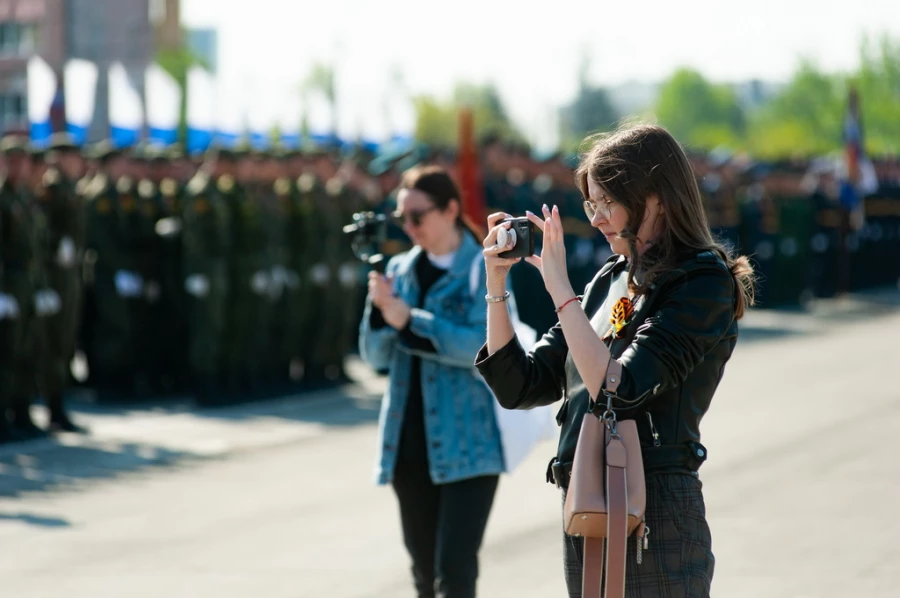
{"x": 18, "y": 325}
{"x": 249, "y": 280}
{"x": 338, "y": 278}
{"x": 163, "y": 228}
{"x": 324, "y": 285}
{"x": 285, "y": 281}
{"x": 110, "y": 272}
{"x": 144, "y": 247}
{"x": 206, "y": 238}
{"x": 310, "y": 255}
{"x": 302, "y": 252}
{"x": 61, "y": 258}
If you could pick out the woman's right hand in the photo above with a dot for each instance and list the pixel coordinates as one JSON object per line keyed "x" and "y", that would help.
{"x": 497, "y": 267}
{"x": 380, "y": 289}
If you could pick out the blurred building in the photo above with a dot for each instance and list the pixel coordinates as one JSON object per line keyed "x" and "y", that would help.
{"x": 204, "y": 44}
{"x": 106, "y": 31}
{"x": 165, "y": 17}
{"x": 102, "y": 31}
{"x": 27, "y": 27}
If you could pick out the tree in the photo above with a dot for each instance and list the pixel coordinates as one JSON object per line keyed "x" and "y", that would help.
{"x": 437, "y": 121}
{"x": 176, "y": 62}
{"x": 698, "y": 112}
{"x": 591, "y": 111}
{"x": 321, "y": 78}
{"x": 878, "y": 81}
{"x": 804, "y": 119}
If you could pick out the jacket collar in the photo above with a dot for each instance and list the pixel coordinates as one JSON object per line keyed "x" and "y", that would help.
{"x": 468, "y": 248}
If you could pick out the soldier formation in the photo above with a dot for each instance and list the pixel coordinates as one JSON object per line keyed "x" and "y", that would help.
{"x": 227, "y": 276}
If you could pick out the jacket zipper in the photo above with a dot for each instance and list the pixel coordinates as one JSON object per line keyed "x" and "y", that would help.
{"x": 653, "y": 429}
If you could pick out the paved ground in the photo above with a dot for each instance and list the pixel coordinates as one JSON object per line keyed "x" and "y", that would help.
{"x": 274, "y": 499}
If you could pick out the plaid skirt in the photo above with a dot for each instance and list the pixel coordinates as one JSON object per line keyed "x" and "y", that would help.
{"x": 679, "y": 561}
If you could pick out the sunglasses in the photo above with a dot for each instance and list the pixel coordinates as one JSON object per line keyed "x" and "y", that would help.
{"x": 604, "y": 207}
{"x": 414, "y": 217}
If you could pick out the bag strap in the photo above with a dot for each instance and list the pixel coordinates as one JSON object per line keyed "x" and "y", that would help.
{"x": 617, "y": 518}
{"x": 613, "y": 375}
{"x": 613, "y": 558}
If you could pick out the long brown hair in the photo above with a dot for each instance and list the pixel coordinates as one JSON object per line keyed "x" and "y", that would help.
{"x": 640, "y": 161}
{"x": 438, "y": 185}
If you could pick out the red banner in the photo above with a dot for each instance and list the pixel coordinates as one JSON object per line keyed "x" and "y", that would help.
{"x": 474, "y": 210}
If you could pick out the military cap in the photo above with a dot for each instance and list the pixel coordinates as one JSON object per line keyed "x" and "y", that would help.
{"x": 155, "y": 153}
{"x": 387, "y": 157}
{"x": 174, "y": 152}
{"x": 14, "y": 143}
{"x": 221, "y": 153}
{"x": 62, "y": 141}
{"x": 103, "y": 150}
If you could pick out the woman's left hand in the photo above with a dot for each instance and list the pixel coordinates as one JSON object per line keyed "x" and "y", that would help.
{"x": 552, "y": 261}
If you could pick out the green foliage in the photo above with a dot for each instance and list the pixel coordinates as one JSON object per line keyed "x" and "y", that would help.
{"x": 591, "y": 112}
{"x": 437, "y": 122}
{"x": 176, "y": 63}
{"x": 698, "y": 112}
{"x": 804, "y": 119}
{"x": 321, "y": 78}
{"x": 878, "y": 82}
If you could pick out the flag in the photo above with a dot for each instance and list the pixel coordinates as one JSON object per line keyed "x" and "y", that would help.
{"x": 201, "y": 109}
{"x": 231, "y": 122}
{"x": 263, "y": 117}
{"x": 126, "y": 111}
{"x": 80, "y": 81}
{"x": 163, "y": 105}
{"x": 402, "y": 118}
{"x": 474, "y": 210}
{"x": 859, "y": 177}
{"x": 41, "y": 84}
{"x": 319, "y": 119}
{"x": 290, "y": 120}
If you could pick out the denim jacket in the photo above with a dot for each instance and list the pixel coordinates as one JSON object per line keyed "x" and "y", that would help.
{"x": 460, "y": 425}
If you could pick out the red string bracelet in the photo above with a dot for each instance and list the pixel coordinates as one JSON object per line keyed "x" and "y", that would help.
{"x": 560, "y": 308}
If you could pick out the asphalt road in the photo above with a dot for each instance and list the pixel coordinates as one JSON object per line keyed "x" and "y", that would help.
{"x": 275, "y": 499}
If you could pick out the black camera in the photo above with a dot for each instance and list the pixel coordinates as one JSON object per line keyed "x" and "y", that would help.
{"x": 368, "y": 231}
{"x": 520, "y": 235}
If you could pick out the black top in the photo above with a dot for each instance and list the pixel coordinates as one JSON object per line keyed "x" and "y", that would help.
{"x": 413, "y": 442}
{"x": 673, "y": 353}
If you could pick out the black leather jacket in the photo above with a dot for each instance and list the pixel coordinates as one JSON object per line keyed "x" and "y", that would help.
{"x": 673, "y": 354}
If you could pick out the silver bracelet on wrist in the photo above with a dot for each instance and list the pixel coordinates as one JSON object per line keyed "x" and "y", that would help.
{"x": 497, "y": 299}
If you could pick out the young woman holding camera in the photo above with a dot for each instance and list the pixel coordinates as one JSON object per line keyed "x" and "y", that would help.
{"x": 439, "y": 444}
{"x": 665, "y": 307}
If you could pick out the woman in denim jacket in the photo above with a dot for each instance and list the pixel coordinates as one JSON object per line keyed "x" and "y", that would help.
{"x": 439, "y": 445}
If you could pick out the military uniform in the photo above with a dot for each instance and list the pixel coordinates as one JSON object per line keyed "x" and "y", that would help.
{"x": 249, "y": 288}
{"x": 336, "y": 279}
{"x": 311, "y": 256}
{"x": 285, "y": 281}
{"x": 112, "y": 286}
{"x": 18, "y": 332}
{"x": 206, "y": 245}
{"x": 171, "y": 281}
{"x": 61, "y": 261}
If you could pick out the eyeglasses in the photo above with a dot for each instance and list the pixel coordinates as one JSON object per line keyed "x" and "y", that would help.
{"x": 414, "y": 217}
{"x": 604, "y": 207}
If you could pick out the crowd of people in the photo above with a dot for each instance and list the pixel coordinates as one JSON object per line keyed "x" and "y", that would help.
{"x": 227, "y": 275}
